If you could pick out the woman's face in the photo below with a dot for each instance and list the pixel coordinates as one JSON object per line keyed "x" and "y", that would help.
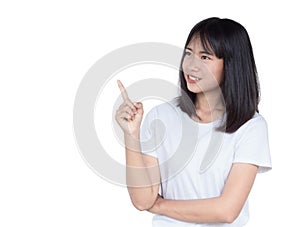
{"x": 203, "y": 71}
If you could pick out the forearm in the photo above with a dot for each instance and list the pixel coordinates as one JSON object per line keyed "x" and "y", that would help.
{"x": 140, "y": 177}
{"x": 197, "y": 211}
{"x": 224, "y": 208}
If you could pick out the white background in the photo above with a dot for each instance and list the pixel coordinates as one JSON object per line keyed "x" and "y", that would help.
{"x": 45, "y": 50}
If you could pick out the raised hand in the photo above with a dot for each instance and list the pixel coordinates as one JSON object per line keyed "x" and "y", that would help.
{"x": 129, "y": 115}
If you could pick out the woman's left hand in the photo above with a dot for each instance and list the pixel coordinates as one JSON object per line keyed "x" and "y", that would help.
{"x": 156, "y": 206}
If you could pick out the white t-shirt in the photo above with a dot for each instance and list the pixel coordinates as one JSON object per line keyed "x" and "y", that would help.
{"x": 195, "y": 159}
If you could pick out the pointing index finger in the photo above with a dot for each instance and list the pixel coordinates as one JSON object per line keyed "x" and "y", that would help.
{"x": 123, "y": 91}
{"x": 125, "y": 95}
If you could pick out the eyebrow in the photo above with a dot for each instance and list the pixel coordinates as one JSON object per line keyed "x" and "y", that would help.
{"x": 201, "y": 52}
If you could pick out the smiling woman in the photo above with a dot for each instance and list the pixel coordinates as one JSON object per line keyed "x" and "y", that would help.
{"x": 223, "y": 46}
{"x": 203, "y": 73}
{"x": 199, "y": 64}
{"x": 218, "y": 109}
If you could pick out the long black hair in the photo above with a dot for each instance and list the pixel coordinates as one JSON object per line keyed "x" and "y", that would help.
{"x": 229, "y": 41}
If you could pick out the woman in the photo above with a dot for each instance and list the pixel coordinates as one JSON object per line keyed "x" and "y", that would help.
{"x": 213, "y": 134}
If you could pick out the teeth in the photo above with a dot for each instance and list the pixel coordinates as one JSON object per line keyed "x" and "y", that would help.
{"x": 193, "y": 78}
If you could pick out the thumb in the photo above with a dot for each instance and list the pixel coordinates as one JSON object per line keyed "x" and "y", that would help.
{"x": 138, "y": 105}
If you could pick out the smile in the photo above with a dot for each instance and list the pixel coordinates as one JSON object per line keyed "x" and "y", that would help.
{"x": 194, "y": 78}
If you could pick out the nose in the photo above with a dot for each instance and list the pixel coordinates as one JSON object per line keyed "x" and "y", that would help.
{"x": 194, "y": 65}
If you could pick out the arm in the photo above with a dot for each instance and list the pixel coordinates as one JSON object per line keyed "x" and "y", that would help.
{"x": 224, "y": 208}
{"x": 142, "y": 173}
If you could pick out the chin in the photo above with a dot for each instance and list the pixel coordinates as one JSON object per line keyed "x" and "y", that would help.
{"x": 194, "y": 88}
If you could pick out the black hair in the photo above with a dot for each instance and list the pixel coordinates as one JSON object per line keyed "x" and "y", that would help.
{"x": 229, "y": 41}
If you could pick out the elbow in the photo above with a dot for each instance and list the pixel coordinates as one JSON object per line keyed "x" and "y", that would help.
{"x": 142, "y": 205}
{"x": 229, "y": 217}
{"x": 230, "y": 214}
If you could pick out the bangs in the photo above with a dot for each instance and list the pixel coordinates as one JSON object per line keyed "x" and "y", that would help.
{"x": 211, "y": 41}
{"x": 204, "y": 43}
{"x": 211, "y": 37}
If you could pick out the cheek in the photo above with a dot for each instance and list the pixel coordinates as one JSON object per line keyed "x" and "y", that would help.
{"x": 184, "y": 65}
{"x": 218, "y": 76}
{"x": 218, "y": 73}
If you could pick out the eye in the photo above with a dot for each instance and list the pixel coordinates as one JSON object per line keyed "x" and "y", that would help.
{"x": 187, "y": 53}
{"x": 205, "y": 57}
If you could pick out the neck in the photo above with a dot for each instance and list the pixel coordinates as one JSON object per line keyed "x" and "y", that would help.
{"x": 209, "y": 105}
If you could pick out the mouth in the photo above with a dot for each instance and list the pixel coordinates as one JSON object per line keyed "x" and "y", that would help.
{"x": 192, "y": 78}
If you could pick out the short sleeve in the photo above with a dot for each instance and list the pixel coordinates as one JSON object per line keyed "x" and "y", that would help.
{"x": 147, "y": 134}
{"x": 253, "y": 145}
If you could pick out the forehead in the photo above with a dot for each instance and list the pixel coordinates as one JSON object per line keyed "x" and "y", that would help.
{"x": 195, "y": 42}
{"x": 199, "y": 44}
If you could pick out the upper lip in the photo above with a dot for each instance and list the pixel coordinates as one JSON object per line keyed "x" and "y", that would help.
{"x": 194, "y": 76}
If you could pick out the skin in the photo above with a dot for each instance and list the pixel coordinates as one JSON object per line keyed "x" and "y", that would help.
{"x": 205, "y": 65}
{"x": 224, "y": 208}
{"x": 142, "y": 175}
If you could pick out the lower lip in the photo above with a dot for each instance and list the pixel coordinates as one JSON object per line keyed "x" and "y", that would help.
{"x": 192, "y": 81}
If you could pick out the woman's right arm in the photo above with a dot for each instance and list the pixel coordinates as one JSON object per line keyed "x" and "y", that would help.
{"x": 142, "y": 174}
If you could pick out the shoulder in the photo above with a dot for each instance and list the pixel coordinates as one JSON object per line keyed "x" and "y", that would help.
{"x": 256, "y": 121}
{"x": 252, "y": 144}
{"x": 166, "y": 109}
{"x": 255, "y": 127}
{"x": 167, "y": 113}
